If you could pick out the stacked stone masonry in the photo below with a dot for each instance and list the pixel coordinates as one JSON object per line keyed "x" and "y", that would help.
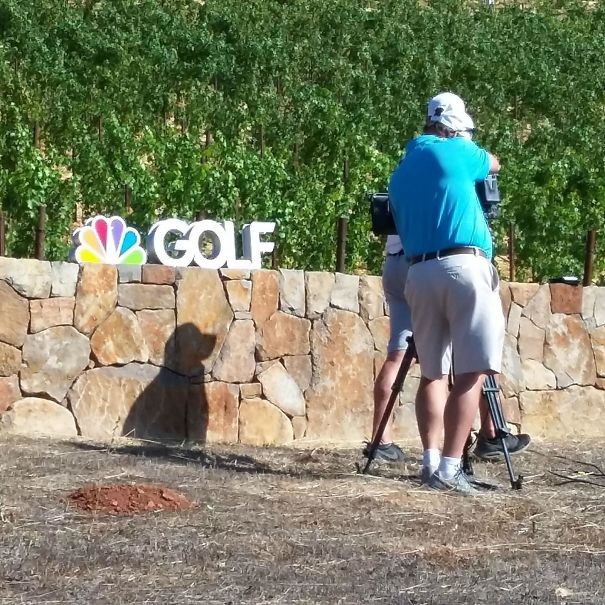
{"x": 261, "y": 357}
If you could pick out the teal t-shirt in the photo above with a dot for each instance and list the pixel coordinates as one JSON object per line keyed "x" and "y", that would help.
{"x": 433, "y": 196}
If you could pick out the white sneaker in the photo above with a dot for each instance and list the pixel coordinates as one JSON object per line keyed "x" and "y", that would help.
{"x": 459, "y": 483}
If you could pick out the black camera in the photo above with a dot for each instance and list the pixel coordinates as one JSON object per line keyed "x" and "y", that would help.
{"x": 382, "y": 217}
{"x": 489, "y": 196}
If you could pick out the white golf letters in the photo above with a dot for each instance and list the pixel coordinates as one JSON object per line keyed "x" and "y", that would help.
{"x": 176, "y": 243}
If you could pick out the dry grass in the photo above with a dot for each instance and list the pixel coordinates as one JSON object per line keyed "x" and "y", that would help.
{"x": 291, "y": 526}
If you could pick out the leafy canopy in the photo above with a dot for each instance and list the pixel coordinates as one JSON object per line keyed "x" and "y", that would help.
{"x": 257, "y": 109}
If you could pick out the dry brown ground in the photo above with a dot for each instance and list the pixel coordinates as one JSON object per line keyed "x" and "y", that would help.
{"x": 292, "y": 526}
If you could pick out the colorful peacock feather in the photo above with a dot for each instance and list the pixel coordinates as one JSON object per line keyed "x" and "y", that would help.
{"x": 109, "y": 241}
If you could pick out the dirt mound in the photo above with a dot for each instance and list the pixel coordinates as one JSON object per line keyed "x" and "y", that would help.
{"x": 128, "y": 499}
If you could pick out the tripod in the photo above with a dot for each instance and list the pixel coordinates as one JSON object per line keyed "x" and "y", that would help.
{"x": 492, "y": 396}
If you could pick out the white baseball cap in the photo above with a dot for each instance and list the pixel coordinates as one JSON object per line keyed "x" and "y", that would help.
{"x": 469, "y": 128}
{"x": 448, "y": 109}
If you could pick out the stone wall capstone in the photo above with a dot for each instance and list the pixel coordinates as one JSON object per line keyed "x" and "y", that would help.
{"x": 260, "y": 357}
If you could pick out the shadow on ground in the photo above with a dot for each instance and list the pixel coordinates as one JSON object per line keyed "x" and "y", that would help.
{"x": 319, "y": 463}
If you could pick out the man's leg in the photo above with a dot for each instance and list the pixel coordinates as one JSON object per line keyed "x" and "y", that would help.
{"x": 382, "y": 392}
{"x": 460, "y": 411}
{"x": 394, "y": 274}
{"x": 430, "y": 404}
{"x": 431, "y": 336}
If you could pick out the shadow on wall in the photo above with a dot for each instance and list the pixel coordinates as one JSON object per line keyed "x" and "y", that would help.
{"x": 174, "y": 405}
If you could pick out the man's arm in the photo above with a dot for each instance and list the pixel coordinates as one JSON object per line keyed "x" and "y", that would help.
{"x": 480, "y": 161}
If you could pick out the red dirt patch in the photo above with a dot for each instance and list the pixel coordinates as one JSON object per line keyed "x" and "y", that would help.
{"x": 128, "y": 499}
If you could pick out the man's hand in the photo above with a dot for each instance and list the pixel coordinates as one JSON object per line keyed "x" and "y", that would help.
{"x": 494, "y": 164}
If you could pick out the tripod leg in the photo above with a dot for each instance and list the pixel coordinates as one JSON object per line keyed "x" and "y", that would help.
{"x": 406, "y": 363}
{"x": 467, "y": 464}
{"x": 492, "y": 393}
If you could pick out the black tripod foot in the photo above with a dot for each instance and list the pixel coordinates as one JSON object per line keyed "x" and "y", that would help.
{"x": 483, "y": 485}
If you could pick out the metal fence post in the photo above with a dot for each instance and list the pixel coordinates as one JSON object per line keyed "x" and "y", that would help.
{"x": 341, "y": 243}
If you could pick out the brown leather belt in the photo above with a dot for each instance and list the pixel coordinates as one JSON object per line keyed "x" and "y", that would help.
{"x": 447, "y": 252}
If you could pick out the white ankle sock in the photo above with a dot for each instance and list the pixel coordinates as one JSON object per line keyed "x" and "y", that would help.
{"x": 431, "y": 459}
{"x": 448, "y": 467}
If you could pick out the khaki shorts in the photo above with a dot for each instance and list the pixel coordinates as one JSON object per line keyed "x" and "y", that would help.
{"x": 456, "y": 300}
{"x": 394, "y": 275}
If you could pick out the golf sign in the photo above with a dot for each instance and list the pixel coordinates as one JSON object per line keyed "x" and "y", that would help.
{"x": 208, "y": 244}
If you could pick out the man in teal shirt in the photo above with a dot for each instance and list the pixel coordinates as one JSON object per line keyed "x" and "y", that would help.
{"x": 452, "y": 287}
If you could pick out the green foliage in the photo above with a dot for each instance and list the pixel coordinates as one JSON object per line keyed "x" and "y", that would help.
{"x": 251, "y": 110}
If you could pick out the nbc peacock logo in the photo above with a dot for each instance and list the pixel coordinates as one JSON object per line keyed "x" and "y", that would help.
{"x": 109, "y": 241}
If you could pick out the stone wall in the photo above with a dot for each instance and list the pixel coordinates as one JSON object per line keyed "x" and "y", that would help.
{"x": 261, "y": 357}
